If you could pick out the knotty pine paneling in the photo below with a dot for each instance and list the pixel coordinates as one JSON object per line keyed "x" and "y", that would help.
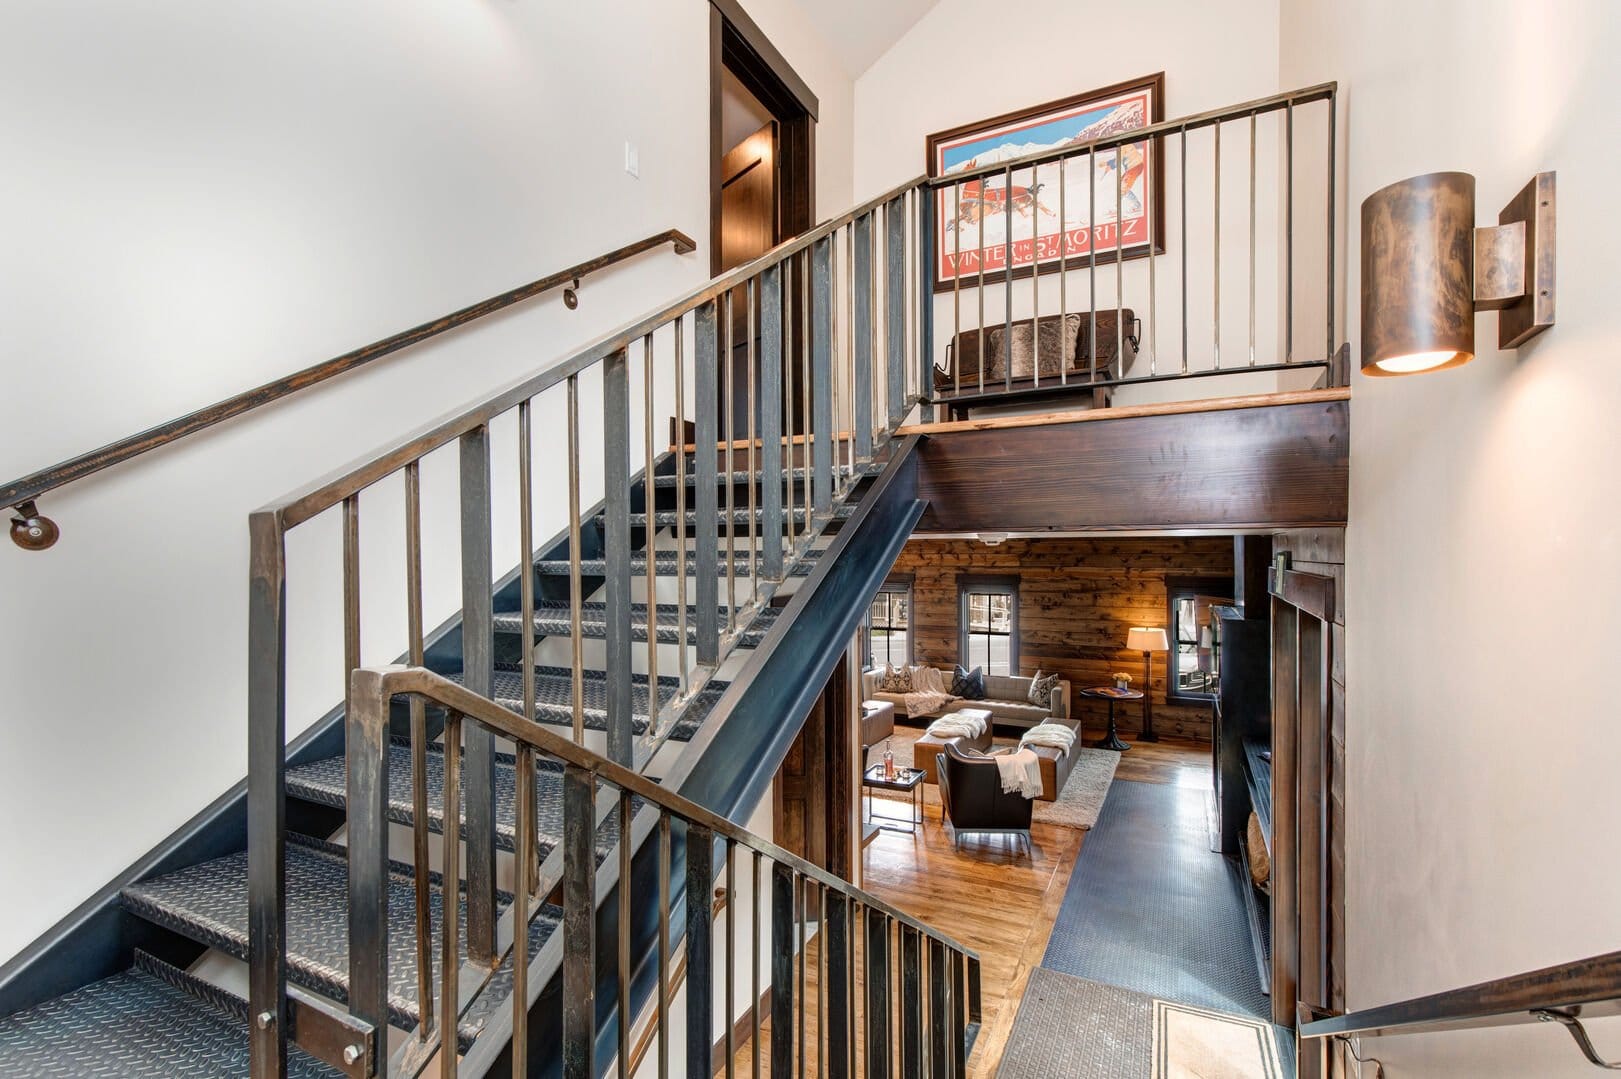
{"x": 1077, "y": 599}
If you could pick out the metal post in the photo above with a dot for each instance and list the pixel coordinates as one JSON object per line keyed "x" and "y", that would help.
{"x": 771, "y": 421}
{"x": 782, "y": 970}
{"x": 704, "y": 493}
{"x": 877, "y": 979}
{"x": 861, "y": 274}
{"x": 700, "y": 950}
{"x": 579, "y": 924}
{"x": 616, "y": 553}
{"x": 478, "y": 671}
{"x": 927, "y": 209}
{"x": 366, "y": 757}
{"x": 822, "y": 376}
{"x": 895, "y": 304}
{"x": 267, "y": 829}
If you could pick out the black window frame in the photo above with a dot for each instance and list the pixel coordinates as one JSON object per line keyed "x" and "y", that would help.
{"x": 896, "y": 585}
{"x": 996, "y": 586}
{"x": 1220, "y": 591}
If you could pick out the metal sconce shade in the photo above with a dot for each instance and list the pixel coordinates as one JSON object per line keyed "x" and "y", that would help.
{"x": 1418, "y": 276}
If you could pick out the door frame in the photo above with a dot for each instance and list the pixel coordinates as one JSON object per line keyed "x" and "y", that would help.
{"x": 737, "y": 44}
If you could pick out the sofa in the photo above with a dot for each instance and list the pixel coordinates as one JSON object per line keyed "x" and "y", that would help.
{"x": 1007, "y": 698}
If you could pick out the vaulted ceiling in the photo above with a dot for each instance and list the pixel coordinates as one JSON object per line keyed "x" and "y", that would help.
{"x": 860, "y": 31}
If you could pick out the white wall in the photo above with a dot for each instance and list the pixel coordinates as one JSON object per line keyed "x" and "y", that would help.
{"x": 962, "y": 63}
{"x": 1482, "y": 553}
{"x": 199, "y": 198}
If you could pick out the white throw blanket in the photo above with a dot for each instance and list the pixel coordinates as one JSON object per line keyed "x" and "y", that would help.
{"x": 1054, "y": 735}
{"x": 1021, "y": 772}
{"x": 925, "y": 703}
{"x": 956, "y": 725}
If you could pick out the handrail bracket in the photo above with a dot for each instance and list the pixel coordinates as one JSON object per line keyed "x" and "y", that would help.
{"x": 1570, "y": 1019}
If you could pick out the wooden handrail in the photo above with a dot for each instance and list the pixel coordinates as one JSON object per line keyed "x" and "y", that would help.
{"x": 32, "y": 531}
{"x": 1566, "y": 993}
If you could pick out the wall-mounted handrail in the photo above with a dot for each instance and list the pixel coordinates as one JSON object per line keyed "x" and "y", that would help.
{"x": 33, "y": 532}
{"x": 1566, "y": 993}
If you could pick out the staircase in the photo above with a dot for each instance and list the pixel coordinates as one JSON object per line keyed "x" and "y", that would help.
{"x": 584, "y": 735}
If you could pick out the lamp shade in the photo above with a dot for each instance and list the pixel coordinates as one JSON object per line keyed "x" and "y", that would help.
{"x": 1147, "y": 639}
{"x": 1418, "y": 275}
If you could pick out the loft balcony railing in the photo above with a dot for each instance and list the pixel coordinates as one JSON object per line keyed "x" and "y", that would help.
{"x": 794, "y": 372}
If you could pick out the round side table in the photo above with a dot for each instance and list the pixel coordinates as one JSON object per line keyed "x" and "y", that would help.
{"x": 1111, "y": 694}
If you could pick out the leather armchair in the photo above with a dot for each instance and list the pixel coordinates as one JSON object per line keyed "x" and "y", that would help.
{"x": 971, "y": 795}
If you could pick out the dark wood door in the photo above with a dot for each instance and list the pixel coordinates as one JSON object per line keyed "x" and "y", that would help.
{"x": 815, "y": 789}
{"x": 748, "y": 229}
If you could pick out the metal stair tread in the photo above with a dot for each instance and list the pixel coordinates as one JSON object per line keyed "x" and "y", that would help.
{"x": 665, "y": 564}
{"x": 743, "y": 475}
{"x": 134, "y": 1025}
{"x": 326, "y": 782}
{"x": 208, "y": 902}
{"x": 554, "y": 695}
{"x": 553, "y": 619}
{"x": 740, "y": 516}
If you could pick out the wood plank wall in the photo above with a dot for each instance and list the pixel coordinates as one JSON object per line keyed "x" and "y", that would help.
{"x": 1322, "y": 551}
{"x": 1077, "y": 599}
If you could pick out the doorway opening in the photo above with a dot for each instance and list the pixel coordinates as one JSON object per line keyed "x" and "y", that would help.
{"x": 762, "y": 155}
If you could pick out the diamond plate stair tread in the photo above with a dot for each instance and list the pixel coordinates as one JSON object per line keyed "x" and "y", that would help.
{"x": 325, "y": 782}
{"x": 553, "y": 619}
{"x": 666, "y": 565}
{"x": 209, "y": 903}
{"x": 743, "y": 475}
{"x": 667, "y": 518}
{"x": 133, "y": 1025}
{"x": 554, "y": 695}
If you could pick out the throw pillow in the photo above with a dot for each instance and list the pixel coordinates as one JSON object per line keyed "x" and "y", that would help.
{"x": 896, "y": 680}
{"x": 1041, "y": 689}
{"x": 969, "y": 685}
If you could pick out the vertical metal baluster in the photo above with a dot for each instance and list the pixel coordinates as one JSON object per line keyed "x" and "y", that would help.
{"x": 923, "y": 293}
{"x": 366, "y": 787}
{"x": 1333, "y": 150}
{"x": 771, "y": 402}
{"x": 623, "y": 951}
{"x": 664, "y": 939}
{"x": 351, "y": 588}
{"x": 1007, "y": 278}
{"x": 616, "y": 554}
{"x": 822, "y": 375}
{"x": 700, "y": 951}
{"x": 1092, "y": 263}
{"x": 956, "y": 288}
{"x": 267, "y": 806}
{"x": 754, "y": 966}
{"x": 420, "y": 857}
{"x": 806, "y": 390}
{"x": 823, "y": 1017}
{"x": 1252, "y": 239}
{"x": 1184, "y": 244}
{"x": 1119, "y": 264}
{"x": 731, "y": 955}
{"x": 1215, "y": 249}
{"x": 1151, "y": 211}
{"x": 650, "y": 570}
{"x": 911, "y": 1004}
{"x": 1065, "y": 338}
{"x": 845, "y": 452}
{"x": 450, "y": 908}
{"x": 790, "y": 313}
{"x": 705, "y": 414}
{"x": 525, "y": 868}
{"x": 801, "y": 893}
{"x": 729, "y": 436}
{"x": 478, "y": 673}
{"x": 975, "y": 1013}
{"x": 754, "y": 530}
{"x": 878, "y": 1001}
{"x": 782, "y": 972}
{"x": 1035, "y": 282}
{"x": 894, "y": 314}
{"x": 579, "y": 923}
{"x": 862, "y": 328}
{"x": 939, "y": 1058}
{"x": 576, "y": 590}
{"x": 680, "y": 507}
{"x": 836, "y": 933}
{"x": 1289, "y": 232}
{"x": 524, "y": 839}
{"x": 979, "y": 221}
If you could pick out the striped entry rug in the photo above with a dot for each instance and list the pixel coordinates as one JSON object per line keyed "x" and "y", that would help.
{"x": 1072, "y": 1028}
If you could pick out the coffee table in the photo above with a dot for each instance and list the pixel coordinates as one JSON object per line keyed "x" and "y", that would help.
{"x": 906, "y": 779}
{"x": 1111, "y": 694}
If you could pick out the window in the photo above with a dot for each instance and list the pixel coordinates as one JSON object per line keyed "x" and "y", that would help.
{"x": 1192, "y": 619}
{"x": 989, "y": 617}
{"x": 889, "y": 626}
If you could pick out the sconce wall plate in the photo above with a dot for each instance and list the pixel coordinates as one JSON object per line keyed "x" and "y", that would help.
{"x": 1426, "y": 270}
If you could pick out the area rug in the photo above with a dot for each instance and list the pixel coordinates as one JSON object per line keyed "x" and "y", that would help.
{"x": 1073, "y": 1028}
{"x": 1078, "y": 804}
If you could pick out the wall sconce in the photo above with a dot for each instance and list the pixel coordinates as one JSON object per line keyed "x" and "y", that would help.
{"x": 1426, "y": 270}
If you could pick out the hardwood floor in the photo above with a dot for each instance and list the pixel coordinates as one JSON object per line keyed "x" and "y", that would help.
{"x": 992, "y": 896}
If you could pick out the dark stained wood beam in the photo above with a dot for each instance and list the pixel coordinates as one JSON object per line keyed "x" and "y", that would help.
{"x": 1255, "y": 466}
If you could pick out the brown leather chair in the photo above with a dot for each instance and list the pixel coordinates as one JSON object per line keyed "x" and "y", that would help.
{"x": 973, "y": 800}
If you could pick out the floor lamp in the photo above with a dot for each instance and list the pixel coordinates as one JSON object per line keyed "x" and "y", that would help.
{"x": 1147, "y": 640}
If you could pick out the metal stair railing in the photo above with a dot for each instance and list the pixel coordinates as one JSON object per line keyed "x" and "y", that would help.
{"x": 919, "y": 990}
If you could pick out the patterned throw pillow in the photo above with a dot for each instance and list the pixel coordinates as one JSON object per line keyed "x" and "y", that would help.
{"x": 896, "y": 680}
{"x": 1041, "y": 689}
{"x": 969, "y": 685}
